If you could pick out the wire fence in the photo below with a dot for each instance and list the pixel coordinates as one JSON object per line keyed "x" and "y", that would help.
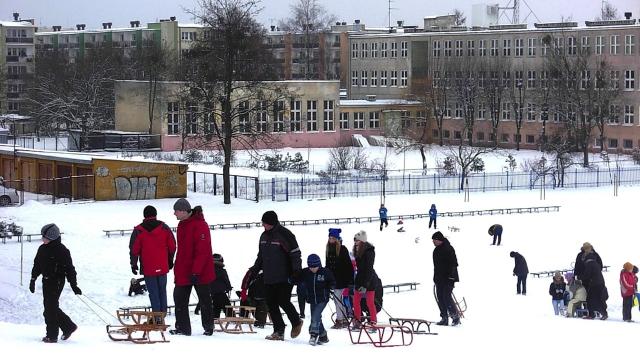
{"x": 58, "y": 189}
{"x": 242, "y": 187}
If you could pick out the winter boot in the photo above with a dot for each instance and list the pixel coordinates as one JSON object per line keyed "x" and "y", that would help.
{"x": 313, "y": 340}
{"x": 208, "y": 332}
{"x": 275, "y": 336}
{"x": 295, "y": 331}
{"x": 49, "y": 340}
{"x": 323, "y": 339}
{"x": 67, "y": 335}
{"x": 443, "y": 322}
{"x": 178, "y": 332}
{"x": 455, "y": 321}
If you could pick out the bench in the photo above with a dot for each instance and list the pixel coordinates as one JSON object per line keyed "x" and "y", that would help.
{"x": 145, "y": 322}
{"x": 397, "y": 287}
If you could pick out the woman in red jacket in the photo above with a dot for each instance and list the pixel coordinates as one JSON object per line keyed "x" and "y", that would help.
{"x": 627, "y": 286}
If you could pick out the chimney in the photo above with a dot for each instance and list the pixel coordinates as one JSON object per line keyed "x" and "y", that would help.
{"x": 337, "y": 22}
{"x": 400, "y": 23}
{"x": 273, "y": 28}
{"x": 173, "y": 18}
{"x": 83, "y": 26}
{"x": 16, "y": 16}
{"x": 357, "y": 21}
{"x": 134, "y": 23}
{"x": 78, "y": 26}
{"x": 344, "y": 23}
{"x": 627, "y": 15}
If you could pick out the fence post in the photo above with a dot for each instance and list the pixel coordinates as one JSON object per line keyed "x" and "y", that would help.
{"x": 215, "y": 184}
{"x": 302, "y": 188}
{"x": 257, "y": 184}
{"x": 434, "y": 183}
{"x": 409, "y": 184}
{"x": 235, "y": 186}
{"x": 597, "y": 177}
{"x": 194, "y": 181}
{"x": 273, "y": 189}
{"x": 287, "y": 189}
{"x": 507, "y": 181}
{"x": 575, "y": 178}
{"x": 484, "y": 181}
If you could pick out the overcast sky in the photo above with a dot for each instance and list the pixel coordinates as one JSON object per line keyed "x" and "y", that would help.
{"x": 373, "y": 13}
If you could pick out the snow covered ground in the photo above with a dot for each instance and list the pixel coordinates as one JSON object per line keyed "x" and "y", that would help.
{"x": 498, "y": 322}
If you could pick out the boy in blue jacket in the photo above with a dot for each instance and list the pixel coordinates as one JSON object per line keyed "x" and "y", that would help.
{"x": 318, "y": 283}
{"x": 383, "y": 216}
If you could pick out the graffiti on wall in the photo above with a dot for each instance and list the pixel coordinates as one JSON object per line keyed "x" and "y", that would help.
{"x": 135, "y": 188}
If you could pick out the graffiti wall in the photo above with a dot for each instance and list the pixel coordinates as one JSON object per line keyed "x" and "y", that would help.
{"x": 134, "y": 180}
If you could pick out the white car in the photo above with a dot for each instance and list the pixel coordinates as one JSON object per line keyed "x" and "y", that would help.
{"x": 8, "y": 196}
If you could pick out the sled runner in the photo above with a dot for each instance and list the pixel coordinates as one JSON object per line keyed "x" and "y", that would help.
{"x": 239, "y": 320}
{"x": 380, "y": 335}
{"x": 137, "y": 326}
{"x": 417, "y": 326}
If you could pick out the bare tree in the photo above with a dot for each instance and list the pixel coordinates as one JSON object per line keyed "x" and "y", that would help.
{"x": 465, "y": 157}
{"x": 560, "y": 146}
{"x": 310, "y": 18}
{"x": 466, "y": 93}
{"x": 608, "y": 12}
{"x": 437, "y": 93}
{"x": 496, "y": 90}
{"x": 459, "y": 18}
{"x": 518, "y": 94}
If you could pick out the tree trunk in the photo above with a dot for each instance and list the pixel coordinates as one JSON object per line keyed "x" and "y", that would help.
{"x": 424, "y": 159}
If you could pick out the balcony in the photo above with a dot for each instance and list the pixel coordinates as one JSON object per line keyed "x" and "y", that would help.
{"x": 21, "y": 40}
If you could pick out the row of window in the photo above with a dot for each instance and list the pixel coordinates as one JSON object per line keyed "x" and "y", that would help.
{"x": 383, "y": 49}
{"x": 491, "y": 47}
{"x": 367, "y": 78}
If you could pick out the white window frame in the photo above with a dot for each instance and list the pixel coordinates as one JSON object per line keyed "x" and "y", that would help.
{"x": 328, "y": 119}
{"x": 629, "y": 44}
{"x": 614, "y": 45}
{"x": 312, "y": 115}
{"x": 344, "y": 120}
{"x": 295, "y": 115}
{"x": 374, "y": 119}
{"x": 358, "y": 120}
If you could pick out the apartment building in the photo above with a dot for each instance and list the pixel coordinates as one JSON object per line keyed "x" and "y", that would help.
{"x": 17, "y": 62}
{"x": 397, "y": 66}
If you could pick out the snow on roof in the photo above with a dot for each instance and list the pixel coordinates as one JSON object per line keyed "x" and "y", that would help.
{"x": 14, "y": 117}
{"x": 191, "y": 26}
{"x": 16, "y": 23}
{"x": 378, "y": 102}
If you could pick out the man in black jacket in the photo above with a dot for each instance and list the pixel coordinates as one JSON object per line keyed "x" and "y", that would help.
{"x": 445, "y": 275}
{"x": 521, "y": 270}
{"x": 53, "y": 261}
{"x": 593, "y": 281}
{"x": 578, "y": 269}
{"x": 279, "y": 259}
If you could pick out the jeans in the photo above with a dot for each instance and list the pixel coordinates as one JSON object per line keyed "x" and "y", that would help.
{"x": 522, "y": 284}
{"x": 279, "y": 296}
{"x": 445, "y": 300}
{"x": 316, "y": 327}
{"x": 341, "y": 310}
{"x": 558, "y": 306}
{"x": 357, "y": 309}
{"x": 157, "y": 288}
{"x": 181, "y": 296}
{"x": 53, "y": 316}
{"x": 434, "y": 222}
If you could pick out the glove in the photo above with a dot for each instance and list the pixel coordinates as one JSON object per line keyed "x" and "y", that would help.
{"x": 32, "y": 286}
{"x": 76, "y": 289}
{"x": 134, "y": 269}
{"x": 194, "y": 279}
{"x": 362, "y": 289}
{"x": 243, "y": 295}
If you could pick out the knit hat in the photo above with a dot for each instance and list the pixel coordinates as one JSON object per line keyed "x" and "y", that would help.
{"x": 586, "y": 247}
{"x": 627, "y": 266}
{"x": 149, "y": 211}
{"x": 360, "y": 236}
{"x": 218, "y": 258}
{"x": 335, "y": 233}
{"x": 512, "y": 254}
{"x": 270, "y": 217}
{"x": 182, "y": 205}
{"x": 438, "y": 236}
{"x": 50, "y": 231}
{"x": 314, "y": 261}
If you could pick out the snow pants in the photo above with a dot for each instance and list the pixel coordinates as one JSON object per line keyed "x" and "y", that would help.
{"x": 54, "y": 317}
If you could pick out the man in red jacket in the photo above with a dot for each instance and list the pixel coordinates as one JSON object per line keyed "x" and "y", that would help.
{"x": 152, "y": 241}
{"x": 194, "y": 267}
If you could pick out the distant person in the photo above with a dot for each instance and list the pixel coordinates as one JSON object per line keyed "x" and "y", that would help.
{"x": 593, "y": 281}
{"x": 383, "y": 216}
{"x": 366, "y": 278}
{"x": 433, "y": 214}
{"x": 193, "y": 269}
{"x": 153, "y": 243}
{"x": 220, "y": 288}
{"x": 496, "y": 231}
{"x": 280, "y": 259}
{"x": 557, "y": 290}
{"x": 627, "y": 288}
{"x": 578, "y": 269}
{"x": 445, "y": 275}
{"x": 318, "y": 284}
{"x": 53, "y": 261}
{"x": 521, "y": 270}
{"x": 337, "y": 260}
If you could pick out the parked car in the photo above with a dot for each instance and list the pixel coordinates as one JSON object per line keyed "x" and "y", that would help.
{"x": 8, "y": 196}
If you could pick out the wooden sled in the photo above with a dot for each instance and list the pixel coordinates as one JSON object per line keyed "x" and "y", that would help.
{"x": 239, "y": 320}
{"x": 139, "y": 326}
{"x": 380, "y": 335}
{"x": 417, "y": 326}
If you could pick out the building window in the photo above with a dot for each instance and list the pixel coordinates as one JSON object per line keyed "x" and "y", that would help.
{"x": 531, "y": 112}
{"x": 629, "y": 44}
{"x": 295, "y": 112}
{"x": 457, "y": 134}
{"x": 628, "y": 114}
{"x": 504, "y": 138}
{"x": 244, "y": 124}
{"x": 404, "y": 49}
{"x": 599, "y": 45}
{"x": 459, "y": 48}
{"x": 494, "y": 47}
{"x": 173, "y": 118}
{"x": 374, "y": 50}
{"x": 614, "y": 113}
{"x": 354, "y": 50}
{"x": 436, "y": 48}
{"x": 374, "y": 119}
{"x": 394, "y": 49}
{"x": 421, "y": 119}
{"x": 482, "y": 47}
{"x": 374, "y": 78}
{"x": 394, "y": 77}
{"x": 312, "y": 115}
{"x": 572, "y": 47}
{"x": 328, "y": 115}
{"x": 405, "y": 119}
{"x": 344, "y": 120}
{"x": 358, "y": 120}
{"x": 354, "y": 78}
{"x": 627, "y": 144}
{"x": 506, "y": 111}
{"x": 447, "y": 48}
{"x": 480, "y": 136}
{"x": 191, "y": 118}
{"x": 614, "y": 46}
{"x": 278, "y": 122}
{"x": 471, "y": 48}
{"x": 383, "y": 48}
{"x": 532, "y": 45}
{"x": 435, "y": 133}
{"x": 613, "y": 143}
{"x": 364, "y": 79}
{"x": 531, "y": 139}
{"x": 482, "y": 111}
{"x": 614, "y": 79}
{"x": 262, "y": 116}
{"x": 520, "y": 47}
{"x": 544, "y": 79}
{"x": 531, "y": 79}
{"x": 584, "y": 47}
{"x": 446, "y": 134}
{"x": 365, "y": 50}
{"x": 629, "y": 79}
{"x": 403, "y": 78}
{"x": 383, "y": 78}
{"x": 506, "y": 47}
{"x": 458, "y": 111}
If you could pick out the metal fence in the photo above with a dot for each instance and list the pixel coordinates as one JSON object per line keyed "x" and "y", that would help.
{"x": 242, "y": 187}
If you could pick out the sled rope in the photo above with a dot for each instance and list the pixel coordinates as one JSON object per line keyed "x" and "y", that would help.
{"x": 93, "y": 311}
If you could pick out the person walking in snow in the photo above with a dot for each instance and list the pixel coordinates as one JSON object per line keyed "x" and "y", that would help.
{"x": 152, "y": 243}
{"x": 521, "y": 270}
{"x": 578, "y": 268}
{"x": 53, "y": 261}
{"x": 366, "y": 277}
{"x": 496, "y": 231}
{"x": 445, "y": 275}
{"x": 557, "y": 289}
{"x": 337, "y": 260}
{"x": 433, "y": 214}
{"x": 627, "y": 288}
{"x": 383, "y": 216}
{"x": 279, "y": 258}
{"x": 194, "y": 267}
{"x": 593, "y": 281}
{"x": 318, "y": 284}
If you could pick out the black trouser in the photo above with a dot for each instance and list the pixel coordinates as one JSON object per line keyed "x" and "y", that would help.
{"x": 181, "y": 296}
{"x": 220, "y": 301}
{"x": 595, "y": 300}
{"x": 279, "y": 296}
{"x": 627, "y": 303}
{"x": 445, "y": 301}
{"x": 521, "y": 285}
{"x": 434, "y": 222}
{"x": 383, "y": 222}
{"x": 53, "y": 316}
